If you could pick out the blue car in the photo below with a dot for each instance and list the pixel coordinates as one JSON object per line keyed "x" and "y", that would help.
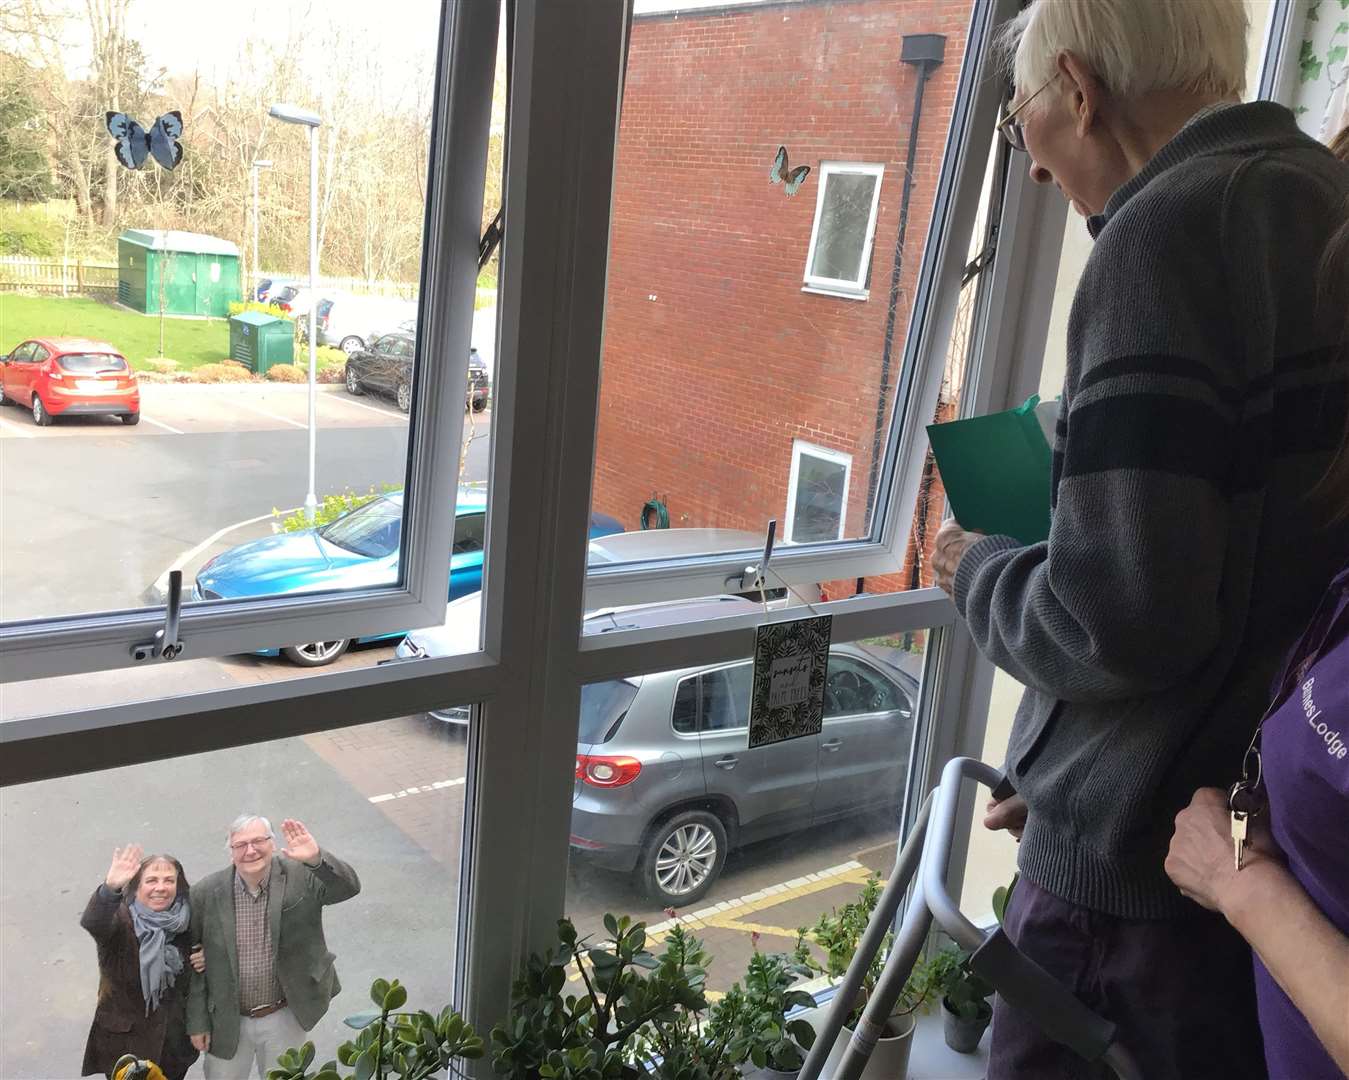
{"x": 359, "y": 550}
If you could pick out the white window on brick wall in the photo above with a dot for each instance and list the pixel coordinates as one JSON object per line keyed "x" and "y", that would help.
{"x": 817, "y": 493}
{"x": 845, "y": 224}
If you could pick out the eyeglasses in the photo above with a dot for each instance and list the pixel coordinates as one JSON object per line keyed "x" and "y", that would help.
{"x": 244, "y": 845}
{"x": 1011, "y": 128}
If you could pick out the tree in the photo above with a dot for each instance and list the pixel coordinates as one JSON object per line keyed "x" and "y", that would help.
{"x": 25, "y": 173}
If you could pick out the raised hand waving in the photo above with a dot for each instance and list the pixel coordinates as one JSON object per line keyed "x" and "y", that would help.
{"x": 300, "y": 845}
{"x": 126, "y": 863}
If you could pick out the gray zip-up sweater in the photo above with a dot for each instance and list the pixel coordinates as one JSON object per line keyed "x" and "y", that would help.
{"x": 1206, "y": 390}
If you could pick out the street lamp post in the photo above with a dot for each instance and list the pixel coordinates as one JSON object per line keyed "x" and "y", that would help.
{"x": 290, "y": 114}
{"x": 257, "y": 274}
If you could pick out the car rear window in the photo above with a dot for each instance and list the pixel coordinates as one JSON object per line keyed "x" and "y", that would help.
{"x": 603, "y": 707}
{"x": 90, "y": 363}
{"x": 372, "y": 530}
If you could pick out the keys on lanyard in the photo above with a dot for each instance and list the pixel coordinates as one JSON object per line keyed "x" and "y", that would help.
{"x": 1245, "y": 801}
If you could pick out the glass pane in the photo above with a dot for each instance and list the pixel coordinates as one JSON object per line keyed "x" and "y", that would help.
{"x": 194, "y": 265}
{"x": 819, "y": 498}
{"x": 746, "y": 846}
{"x": 843, "y": 228}
{"x": 383, "y": 802}
{"x": 717, "y": 355}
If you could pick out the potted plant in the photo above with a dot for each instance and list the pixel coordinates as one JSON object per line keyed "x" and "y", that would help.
{"x": 966, "y": 1011}
{"x": 611, "y": 1030}
{"x": 839, "y": 933}
{"x": 389, "y": 1043}
{"x": 775, "y": 1046}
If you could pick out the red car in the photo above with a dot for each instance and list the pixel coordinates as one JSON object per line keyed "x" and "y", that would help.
{"x": 70, "y": 377}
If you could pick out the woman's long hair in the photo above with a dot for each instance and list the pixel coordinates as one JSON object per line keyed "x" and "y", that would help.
{"x": 134, "y": 885}
{"x": 1332, "y": 287}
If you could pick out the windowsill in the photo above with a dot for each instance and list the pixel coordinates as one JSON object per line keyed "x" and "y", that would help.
{"x": 930, "y": 1058}
{"x": 842, "y": 294}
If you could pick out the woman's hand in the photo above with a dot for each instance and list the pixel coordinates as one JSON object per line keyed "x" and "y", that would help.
{"x": 949, "y": 546}
{"x": 197, "y": 958}
{"x": 1009, "y": 813}
{"x": 126, "y": 863}
{"x": 1202, "y": 859}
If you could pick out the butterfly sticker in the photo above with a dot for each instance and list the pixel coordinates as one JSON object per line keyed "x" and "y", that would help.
{"x": 134, "y": 144}
{"x": 783, "y": 173}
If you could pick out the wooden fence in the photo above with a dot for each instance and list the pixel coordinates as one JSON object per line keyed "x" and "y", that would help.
{"x": 58, "y": 277}
{"x": 76, "y": 277}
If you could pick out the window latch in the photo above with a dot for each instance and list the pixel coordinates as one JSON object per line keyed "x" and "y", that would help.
{"x": 755, "y": 578}
{"x": 165, "y": 645}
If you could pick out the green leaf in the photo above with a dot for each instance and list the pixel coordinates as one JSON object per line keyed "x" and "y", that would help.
{"x": 362, "y": 1020}
{"x": 365, "y": 1064}
{"x": 396, "y": 997}
{"x": 610, "y": 925}
{"x": 1336, "y": 54}
{"x": 378, "y": 989}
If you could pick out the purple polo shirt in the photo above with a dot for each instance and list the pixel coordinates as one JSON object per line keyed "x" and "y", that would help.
{"x": 1305, "y": 747}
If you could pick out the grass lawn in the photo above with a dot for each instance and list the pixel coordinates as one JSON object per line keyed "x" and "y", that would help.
{"x": 192, "y": 342}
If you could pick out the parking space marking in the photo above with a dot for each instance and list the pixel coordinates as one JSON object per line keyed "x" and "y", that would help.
{"x": 347, "y": 400}
{"x": 424, "y": 789}
{"x": 727, "y": 914}
{"x": 160, "y": 424}
{"x": 271, "y": 415}
{"x": 15, "y": 429}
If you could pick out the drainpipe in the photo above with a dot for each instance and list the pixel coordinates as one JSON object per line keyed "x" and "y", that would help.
{"x": 926, "y": 52}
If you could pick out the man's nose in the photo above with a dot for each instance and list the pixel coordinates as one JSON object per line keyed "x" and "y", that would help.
{"x": 1039, "y": 173}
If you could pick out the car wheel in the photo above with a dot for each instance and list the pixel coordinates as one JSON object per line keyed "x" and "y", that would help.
{"x": 479, "y": 404}
{"x": 353, "y": 382}
{"x": 131, "y": 419}
{"x": 351, "y": 344}
{"x": 682, "y": 858}
{"x": 41, "y": 417}
{"x": 405, "y": 397}
{"x": 316, "y": 653}
{"x": 4, "y": 400}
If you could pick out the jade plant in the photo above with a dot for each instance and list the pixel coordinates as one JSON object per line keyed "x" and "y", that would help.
{"x": 773, "y": 1041}
{"x": 389, "y": 1043}
{"x": 628, "y": 998}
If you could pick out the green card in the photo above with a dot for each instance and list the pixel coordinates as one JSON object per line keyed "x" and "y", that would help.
{"x": 996, "y": 470}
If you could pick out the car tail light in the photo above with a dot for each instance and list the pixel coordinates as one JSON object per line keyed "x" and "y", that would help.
{"x": 606, "y": 772}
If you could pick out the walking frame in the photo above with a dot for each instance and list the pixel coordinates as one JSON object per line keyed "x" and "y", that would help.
{"x": 1022, "y": 983}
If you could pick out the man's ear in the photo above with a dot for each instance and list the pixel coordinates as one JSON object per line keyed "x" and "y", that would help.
{"x": 1085, "y": 92}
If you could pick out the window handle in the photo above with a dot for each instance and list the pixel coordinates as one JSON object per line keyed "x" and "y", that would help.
{"x": 727, "y": 763}
{"x": 166, "y": 644}
{"x": 831, "y": 745}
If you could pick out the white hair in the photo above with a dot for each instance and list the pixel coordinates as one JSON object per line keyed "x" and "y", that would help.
{"x": 245, "y": 819}
{"x": 1133, "y": 46}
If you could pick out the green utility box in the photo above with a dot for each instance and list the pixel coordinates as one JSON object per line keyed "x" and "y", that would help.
{"x": 261, "y": 341}
{"x": 181, "y": 273}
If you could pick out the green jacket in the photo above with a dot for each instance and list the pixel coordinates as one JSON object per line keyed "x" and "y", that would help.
{"x": 304, "y": 965}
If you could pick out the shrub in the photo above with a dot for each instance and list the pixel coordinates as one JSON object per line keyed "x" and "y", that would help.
{"x": 330, "y": 509}
{"x": 239, "y": 306}
{"x": 160, "y": 364}
{"x": 287, "y": 373}
{"x": 325, "y": 356}
{"x": 228, "y": 372}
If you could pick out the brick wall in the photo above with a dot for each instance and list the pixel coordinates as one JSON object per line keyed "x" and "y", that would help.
{"x": 715, "y": 360}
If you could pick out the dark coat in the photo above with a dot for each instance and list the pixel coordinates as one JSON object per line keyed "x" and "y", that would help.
{"x": 120, "y": 1025}
{"x": 304, "y": 966}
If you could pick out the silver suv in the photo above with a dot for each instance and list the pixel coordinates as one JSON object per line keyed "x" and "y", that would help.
{"x": 665, "y": 782}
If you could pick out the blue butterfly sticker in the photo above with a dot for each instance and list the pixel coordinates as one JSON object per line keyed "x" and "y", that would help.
{"x": 783, "y": 173}
{"x": 134, "y": 144}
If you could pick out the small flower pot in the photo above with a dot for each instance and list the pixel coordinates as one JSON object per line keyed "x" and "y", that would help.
{"x": 962, "y": 1035}
{"x": 890, "y": 1059}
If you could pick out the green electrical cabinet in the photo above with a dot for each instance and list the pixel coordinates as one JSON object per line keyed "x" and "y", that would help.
{"x": 260, "y": 340}
{"x": 188, "y": 273}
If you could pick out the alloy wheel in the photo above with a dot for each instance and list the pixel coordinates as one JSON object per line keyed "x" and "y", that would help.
{"x": 686, "y": 859}
{"x": 321, "y": 652}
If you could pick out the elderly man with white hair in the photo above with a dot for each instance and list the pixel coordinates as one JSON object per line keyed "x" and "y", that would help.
{"x": 269, "y": 976}
{"x": 1205, "y": 391}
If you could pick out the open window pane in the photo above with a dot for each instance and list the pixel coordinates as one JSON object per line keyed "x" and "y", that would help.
{"x": 672, "y": 810}
{"x": 251, "y": 258}
{"x": 759, "y": 300}
{"x": 385, "y": 804}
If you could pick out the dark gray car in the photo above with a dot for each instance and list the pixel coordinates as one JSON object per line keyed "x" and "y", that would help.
{"x": 666, "y": 784}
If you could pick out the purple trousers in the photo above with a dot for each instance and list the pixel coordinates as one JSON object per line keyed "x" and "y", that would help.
{"x": 1182, "y": 992}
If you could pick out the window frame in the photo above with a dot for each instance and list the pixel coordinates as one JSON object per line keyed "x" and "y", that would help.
{"x": 104, "y": 640}
{"x": 858, "y": 288}
{"x": 802, "y": 448}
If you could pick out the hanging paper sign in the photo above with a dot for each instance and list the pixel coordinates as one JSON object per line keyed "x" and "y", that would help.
{"x": 790, "y": 662}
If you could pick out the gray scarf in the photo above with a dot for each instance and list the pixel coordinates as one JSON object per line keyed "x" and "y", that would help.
{"x": 161, "y": 962}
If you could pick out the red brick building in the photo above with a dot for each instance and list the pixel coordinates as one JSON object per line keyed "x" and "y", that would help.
{"x": 746, "y": 331}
